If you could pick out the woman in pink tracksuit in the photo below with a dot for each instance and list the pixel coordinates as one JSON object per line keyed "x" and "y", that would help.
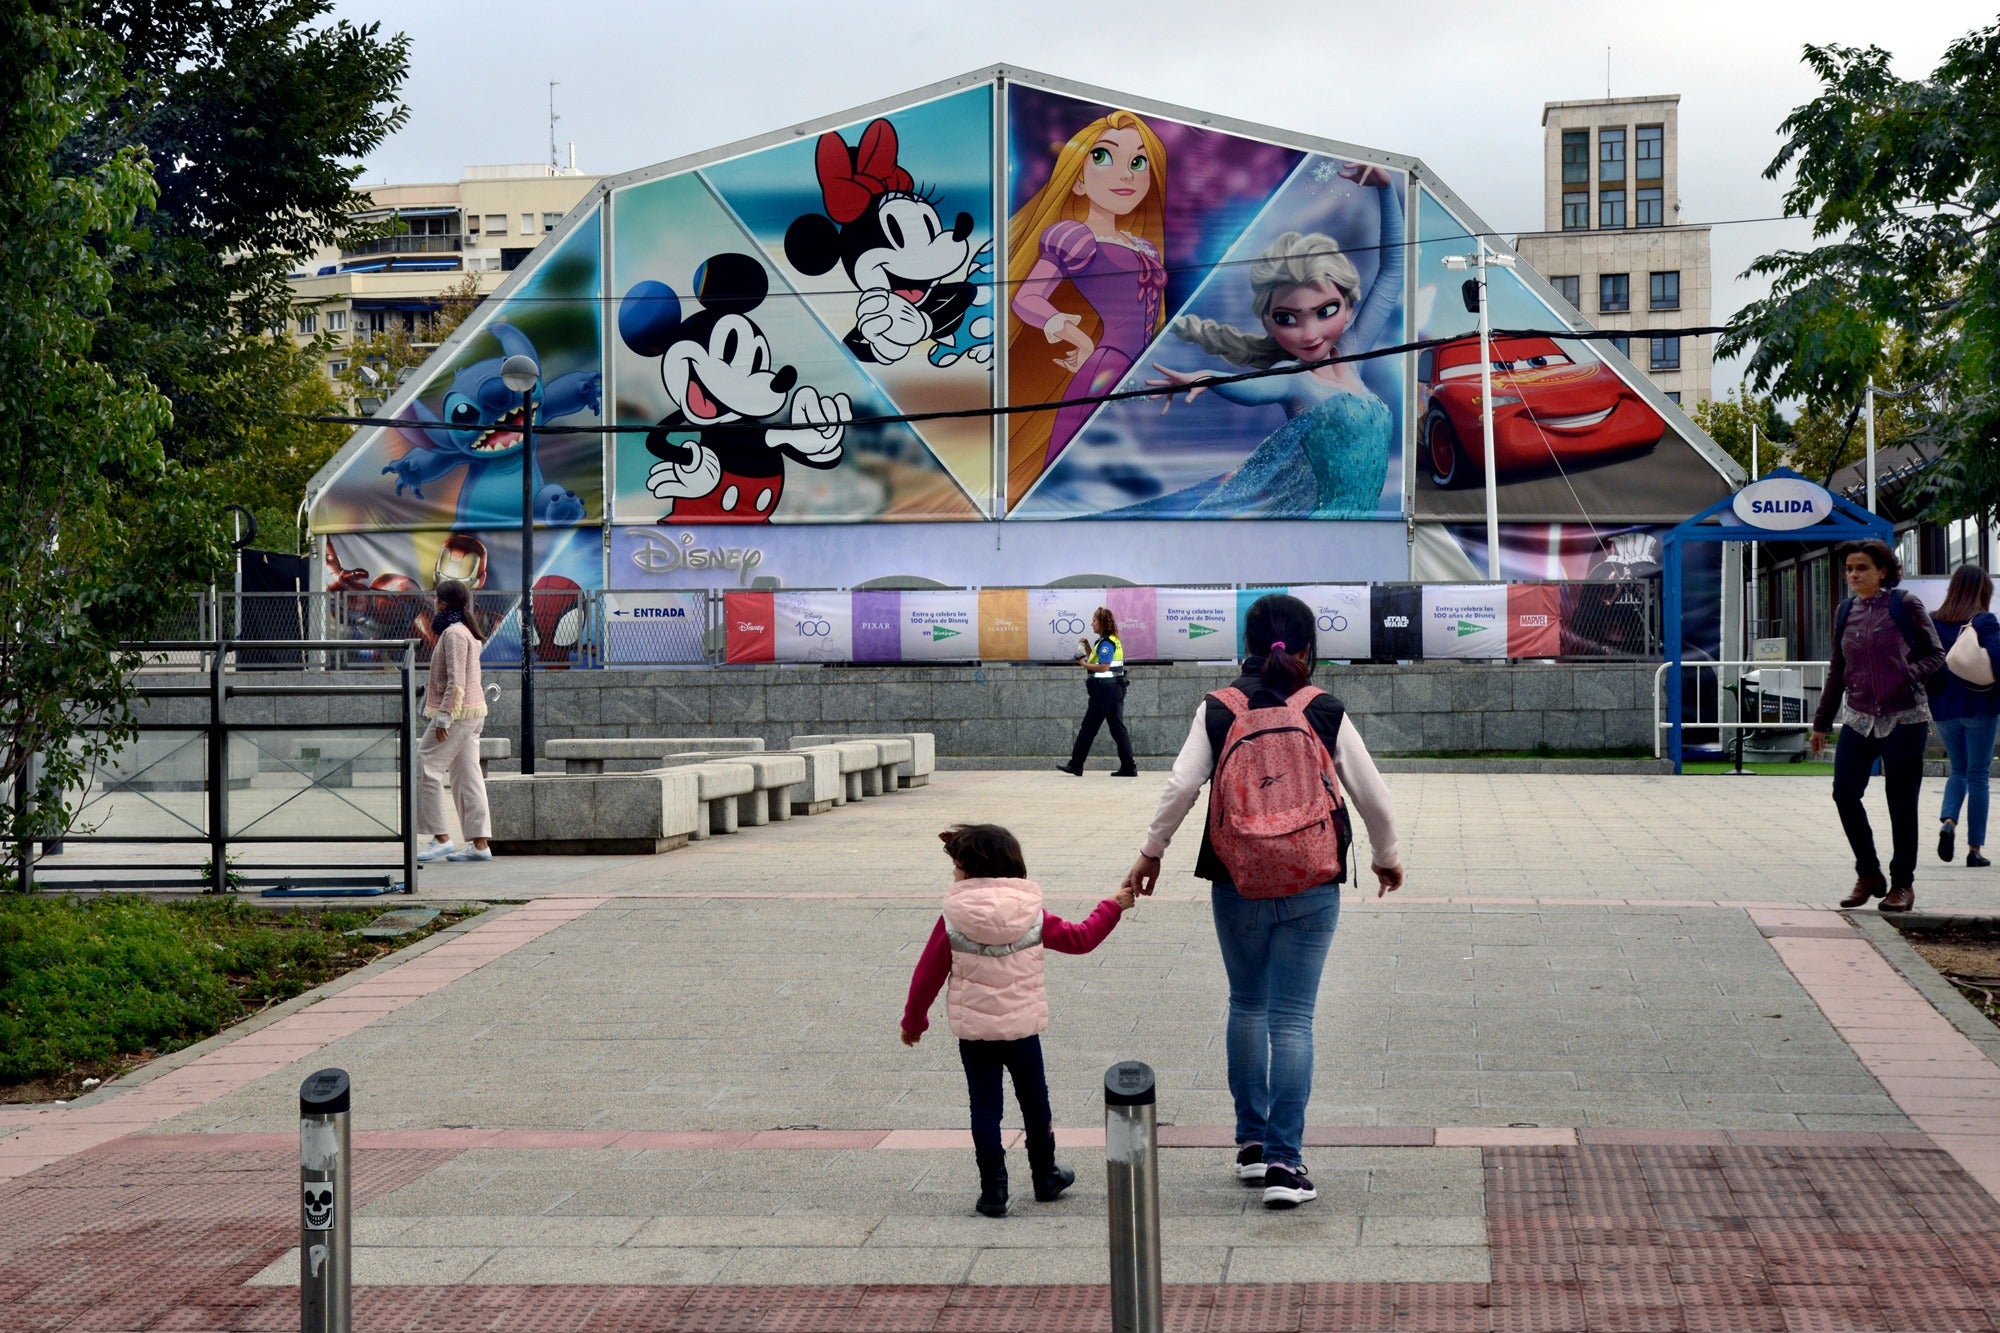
{"x": 989, "y": 943}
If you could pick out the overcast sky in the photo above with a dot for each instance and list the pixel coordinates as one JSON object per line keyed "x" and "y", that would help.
{"x": 1458, "y": 84}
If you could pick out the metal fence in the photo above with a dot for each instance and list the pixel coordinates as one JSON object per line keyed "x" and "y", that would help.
{"x": 585, "y": 629}
{"x": 238, "y": 759}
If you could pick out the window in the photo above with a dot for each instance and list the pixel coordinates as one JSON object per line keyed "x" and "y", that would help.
{"x": 335, "y": 369}
{"x": 1651, "y": 153}
{"x": 1614, "y": 291}
{"x": 1576, "y": 210}
{"x": 496, "y": 224}
{"x": 1622, "y": 343}
{"x": 1610, "y": 208}
{"x": 527, "y": 224}
{"x": 472, "y": 224}
{"x": 1666, "y": 354}
{"x": 550, "y": 221}
{"x": 1576, "y": 157}
{"x": 1674, "y": 396}
{"x": 1666, "y": 291}
{"x": 1569, "y": 288}
{"x": 1651, "y": 208}
{"x": 308, "y": 323}
{"x": 1611, "y": 155}
{"x": 336, "y": 321}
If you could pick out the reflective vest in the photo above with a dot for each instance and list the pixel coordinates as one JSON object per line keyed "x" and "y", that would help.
{"x": 1117, "y": 658}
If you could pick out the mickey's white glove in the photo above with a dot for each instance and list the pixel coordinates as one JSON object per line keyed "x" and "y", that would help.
{"x": 891, "y": 324}
{"x": 686, "y": 481}
{"x": 817, "y": 425}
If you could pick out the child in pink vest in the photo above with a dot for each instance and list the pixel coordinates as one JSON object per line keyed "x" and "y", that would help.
{"x": 989, "y": 943}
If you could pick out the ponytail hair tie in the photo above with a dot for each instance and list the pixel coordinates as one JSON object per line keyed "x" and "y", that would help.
{"x": 1278, "y": 647}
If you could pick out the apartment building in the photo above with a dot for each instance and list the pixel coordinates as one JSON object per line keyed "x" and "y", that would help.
{"x": 484, "y": 224}
{"x": 1614, "y": 243}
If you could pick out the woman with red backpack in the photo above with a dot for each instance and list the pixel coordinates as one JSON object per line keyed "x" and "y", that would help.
{"x": 1281, "y": 762}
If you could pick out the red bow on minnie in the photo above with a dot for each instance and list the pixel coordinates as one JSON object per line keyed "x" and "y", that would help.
{"x": 851, "y": 181}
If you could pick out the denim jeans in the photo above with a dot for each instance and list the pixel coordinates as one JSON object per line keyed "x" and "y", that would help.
{"x": 1902, "y": 756}
{"x": 1968, "y": 743}
{"x": 1273, "y": 950}
{"x": 984, "y": 1061}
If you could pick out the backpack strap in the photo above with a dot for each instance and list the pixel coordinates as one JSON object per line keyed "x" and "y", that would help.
{"x": 1303, "y": 696}
{"x": 1899, "y": 612}
{"x": 1233, "y": 699}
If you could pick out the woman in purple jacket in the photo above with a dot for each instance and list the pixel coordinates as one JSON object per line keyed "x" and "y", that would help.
{"x": 1967, "y": 716}
{"x": 1884, "y": 649}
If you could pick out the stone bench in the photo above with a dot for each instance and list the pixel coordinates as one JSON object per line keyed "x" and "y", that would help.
{"x": 720, "y": 785}
{"x": 778, "y": 775}
{"x": 634, "y": 754}
{"x": 491, "y": 748}
{"x": 824, "y": 786}
{"x": 604, "y": 814}
{"x": 915, "y": 771}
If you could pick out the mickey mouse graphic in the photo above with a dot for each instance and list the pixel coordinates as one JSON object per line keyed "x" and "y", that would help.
{"x": 720, "y": 460}
{"x": 886, "y": 234}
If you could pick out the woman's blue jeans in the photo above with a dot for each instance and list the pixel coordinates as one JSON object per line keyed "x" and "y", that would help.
{"x": 1273, "y": 950}
{"x": 1968, "y": 743}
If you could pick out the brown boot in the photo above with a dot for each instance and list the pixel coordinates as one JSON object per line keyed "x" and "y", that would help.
{"x": 1866, "y": 886}
{"x": 1901, "y": 899}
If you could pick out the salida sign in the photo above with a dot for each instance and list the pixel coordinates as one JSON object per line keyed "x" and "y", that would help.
{"x": 1783, "y": 504}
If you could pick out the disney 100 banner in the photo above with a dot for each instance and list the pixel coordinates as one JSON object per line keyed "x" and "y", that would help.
{"x": 808, "y": 333}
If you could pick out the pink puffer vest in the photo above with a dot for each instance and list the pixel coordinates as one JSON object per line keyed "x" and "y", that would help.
{"x": 995, "y": 929}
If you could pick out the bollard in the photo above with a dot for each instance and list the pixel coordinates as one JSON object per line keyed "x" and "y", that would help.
{"x": 326, "y": 1224}
{"x": 1132, "y": 1177}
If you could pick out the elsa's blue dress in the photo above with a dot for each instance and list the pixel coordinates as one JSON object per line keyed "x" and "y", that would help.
{"x": 1331, "y": 457}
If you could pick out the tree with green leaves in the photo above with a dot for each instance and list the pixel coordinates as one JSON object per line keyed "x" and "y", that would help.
{"x": 1901, "y": 178}
{"x": 98, "y": 520}
{"x": 1728, "y": 421}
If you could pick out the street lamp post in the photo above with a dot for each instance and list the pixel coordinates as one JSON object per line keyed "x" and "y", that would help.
{"x": 1479, "y": 260}
{"x": 523, "y": 374}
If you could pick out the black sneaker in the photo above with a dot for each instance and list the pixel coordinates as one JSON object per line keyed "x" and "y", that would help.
{"x": 1975, "y": 860}
{"x": 1073, "y": 772}
{"x": 1287, "y": 1187}
{"x": 1947, "y": 842}
{"x": 1250, "y": 1164}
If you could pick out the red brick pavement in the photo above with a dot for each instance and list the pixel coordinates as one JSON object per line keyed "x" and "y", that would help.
{"x": 143, "y": 1234}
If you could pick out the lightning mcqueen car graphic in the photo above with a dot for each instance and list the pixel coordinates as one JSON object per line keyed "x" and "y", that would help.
{"x": 1548, "y": 408}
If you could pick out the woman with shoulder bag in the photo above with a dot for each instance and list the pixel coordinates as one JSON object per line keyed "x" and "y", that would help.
{"x": 1277, "y": 755}
{"x": 1884, "y": 649}
{"x": 1966, "y": 707}
{"x": 455, "y": 713}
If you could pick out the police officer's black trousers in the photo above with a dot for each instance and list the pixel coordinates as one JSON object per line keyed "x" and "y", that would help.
{"x": 1107, "y": 704}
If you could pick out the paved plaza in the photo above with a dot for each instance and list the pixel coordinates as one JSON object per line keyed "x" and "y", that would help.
{"x": 1608, "y": 1061}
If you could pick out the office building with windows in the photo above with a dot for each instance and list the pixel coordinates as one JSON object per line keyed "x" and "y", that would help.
{"x": 484, "y": 224}
{"x": 1615, "y": 246}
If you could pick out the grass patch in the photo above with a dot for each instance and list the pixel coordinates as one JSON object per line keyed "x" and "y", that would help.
{"x": 91, "y": 988}
{"x": 1541, "y": 751}
{"x": 1808, "y": 769}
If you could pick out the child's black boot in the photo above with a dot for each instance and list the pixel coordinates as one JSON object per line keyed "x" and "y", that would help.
{"x": 992, "y": 1184}
{"x": 1050, "y": 1180}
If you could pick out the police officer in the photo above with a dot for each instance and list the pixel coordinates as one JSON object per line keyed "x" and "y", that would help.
{"x": 1103, "y": 662}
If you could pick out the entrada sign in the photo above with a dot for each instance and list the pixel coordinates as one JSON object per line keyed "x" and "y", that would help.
{"x": 1783, "y": 504}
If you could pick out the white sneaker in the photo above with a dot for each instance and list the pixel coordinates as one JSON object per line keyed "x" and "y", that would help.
{"x": 435, "y": 850}
{"x": 472, "y": 854}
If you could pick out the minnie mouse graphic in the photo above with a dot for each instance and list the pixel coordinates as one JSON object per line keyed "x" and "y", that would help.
{"x": 886, "y": 234}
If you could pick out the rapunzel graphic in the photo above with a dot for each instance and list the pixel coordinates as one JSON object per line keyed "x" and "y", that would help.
{"x": 1084, "y": 262}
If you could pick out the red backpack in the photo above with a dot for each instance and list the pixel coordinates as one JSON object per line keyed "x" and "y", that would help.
{"x": 1275, "y": 813}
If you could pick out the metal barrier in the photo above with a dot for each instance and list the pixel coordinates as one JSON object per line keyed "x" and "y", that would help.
{"x": 1132, "y": 1186}
{"x": 1729, "y": 681}
{"x": 326, "y": 1205}
{"x": 197, "y": 773}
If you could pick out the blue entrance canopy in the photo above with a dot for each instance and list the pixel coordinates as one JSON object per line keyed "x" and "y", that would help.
{"x": 1718, "y": 523}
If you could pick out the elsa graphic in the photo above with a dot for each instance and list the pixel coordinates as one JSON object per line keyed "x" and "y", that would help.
{"x": 1331, "y": 457}
{"x": 1085, "y": 264}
